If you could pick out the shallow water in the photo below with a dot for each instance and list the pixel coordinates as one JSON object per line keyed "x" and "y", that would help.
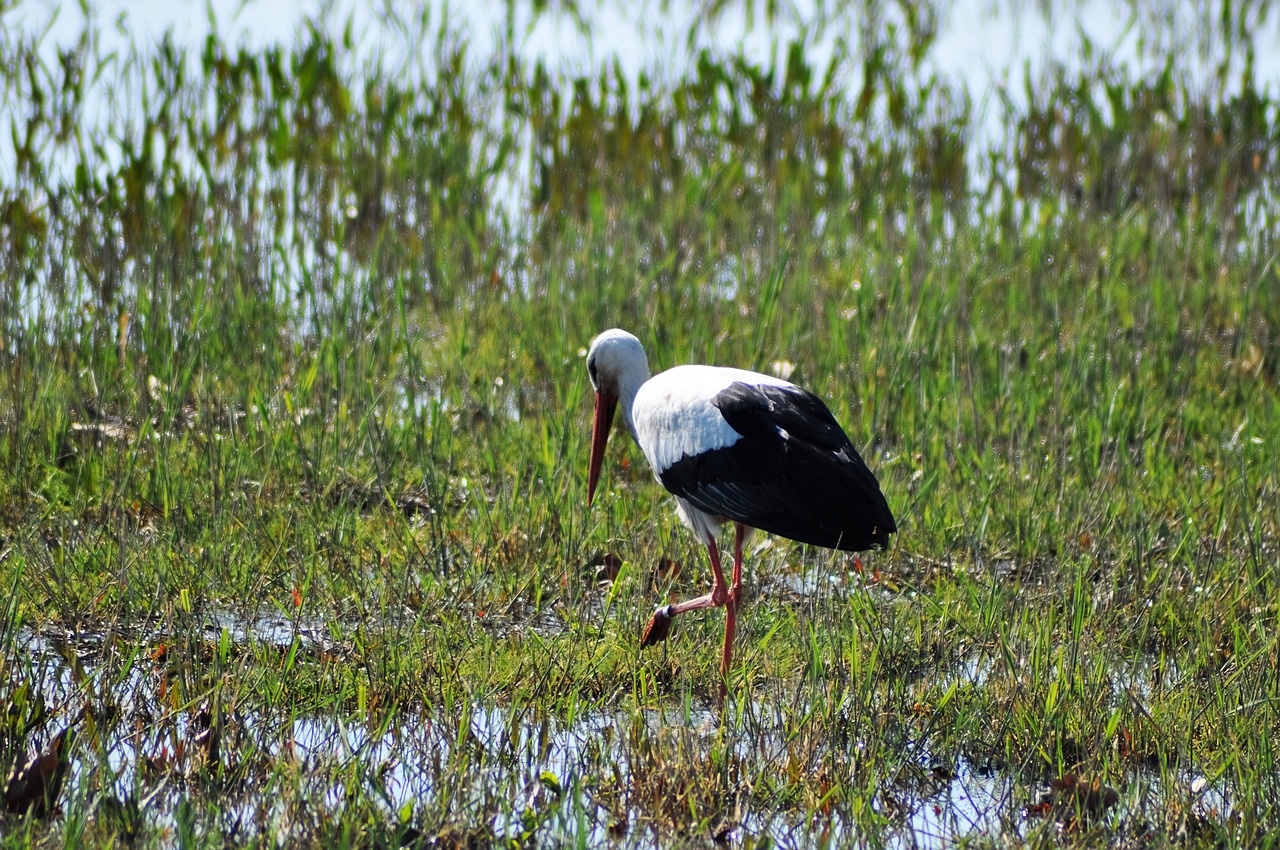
{"x": 500, "y": 767}
{"x": 984, "y": 48}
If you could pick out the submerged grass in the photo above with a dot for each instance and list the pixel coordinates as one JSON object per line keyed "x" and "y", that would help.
{"x": 292, "y": 493}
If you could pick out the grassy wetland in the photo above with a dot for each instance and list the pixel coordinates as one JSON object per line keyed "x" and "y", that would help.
{"x": 294, "y": 423}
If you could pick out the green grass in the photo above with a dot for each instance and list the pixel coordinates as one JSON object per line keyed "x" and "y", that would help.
{"x": 290, "y": 362}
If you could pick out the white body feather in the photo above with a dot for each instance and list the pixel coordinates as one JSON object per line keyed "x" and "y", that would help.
{"x": 674, "y": 418}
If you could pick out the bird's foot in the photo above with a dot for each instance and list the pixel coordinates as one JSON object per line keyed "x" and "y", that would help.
{"x": 659, "y": 627}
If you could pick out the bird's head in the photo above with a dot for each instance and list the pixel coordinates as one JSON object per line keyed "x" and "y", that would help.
{"x": 617, "y": 365}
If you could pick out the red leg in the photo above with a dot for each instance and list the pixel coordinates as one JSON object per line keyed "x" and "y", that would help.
{"x": 726, "y": 657}
{"x": 723, "y": 594}
{"x": 660, "y": 623}
{"x": 740, "y": 532}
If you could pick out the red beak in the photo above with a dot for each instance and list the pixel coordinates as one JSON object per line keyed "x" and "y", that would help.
{"x": 605, "y": 406}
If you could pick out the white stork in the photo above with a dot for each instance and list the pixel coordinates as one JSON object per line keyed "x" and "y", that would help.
{"x": 735, "y": 446}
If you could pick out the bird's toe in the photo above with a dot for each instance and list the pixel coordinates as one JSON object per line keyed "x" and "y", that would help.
{"x": 658, "y": 629}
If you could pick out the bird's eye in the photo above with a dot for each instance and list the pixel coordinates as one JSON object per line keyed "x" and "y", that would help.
{"x": 591, "y": 370}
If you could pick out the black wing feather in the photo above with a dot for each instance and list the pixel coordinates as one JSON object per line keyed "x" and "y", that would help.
{"x": 794, "y": 472}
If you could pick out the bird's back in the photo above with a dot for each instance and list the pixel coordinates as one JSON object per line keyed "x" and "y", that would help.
{"x": 760, "y": 451}
{"x": 675, "y": 414}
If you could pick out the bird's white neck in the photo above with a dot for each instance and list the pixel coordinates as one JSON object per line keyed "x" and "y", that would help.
{"x": 629, "y": 383}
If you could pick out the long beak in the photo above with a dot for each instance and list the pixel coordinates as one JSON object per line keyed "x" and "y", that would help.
{"x": 606, "y": 405}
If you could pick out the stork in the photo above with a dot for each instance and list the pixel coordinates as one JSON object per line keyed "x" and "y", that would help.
{"x": 734, "y": 446}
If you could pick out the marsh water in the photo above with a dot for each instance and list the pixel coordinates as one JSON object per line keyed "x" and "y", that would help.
{"x": 521, "y": 771}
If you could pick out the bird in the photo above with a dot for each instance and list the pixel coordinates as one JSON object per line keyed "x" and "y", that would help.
{"x": 734, "y": 446}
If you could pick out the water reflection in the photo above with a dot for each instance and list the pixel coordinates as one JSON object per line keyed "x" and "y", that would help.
{"x": 505, "y": 768}
{"x": 986, "y": 49}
